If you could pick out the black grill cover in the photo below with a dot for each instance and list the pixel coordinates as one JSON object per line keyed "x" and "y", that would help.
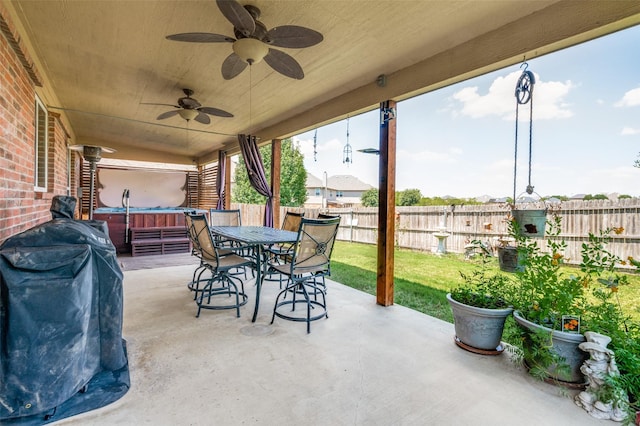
{"x": 61, "y": 343}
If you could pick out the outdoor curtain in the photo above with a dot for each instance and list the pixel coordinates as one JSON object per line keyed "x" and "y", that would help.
{"x": 220, "y": 181}
{"x": 255, "y": 171}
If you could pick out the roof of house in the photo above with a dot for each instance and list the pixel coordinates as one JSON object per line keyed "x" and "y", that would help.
{"x": 313, "y": 182}
{"x": 338, "y": 182}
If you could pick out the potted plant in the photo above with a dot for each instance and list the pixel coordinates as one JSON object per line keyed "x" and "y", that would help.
{"x": 528, "y": 223}
{"x": 554, "y": 306}
{"x": 480, "y": 307}
{"x": 549, "y": 305}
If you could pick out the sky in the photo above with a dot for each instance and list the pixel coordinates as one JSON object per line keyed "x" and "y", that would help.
{"x": 460, "y": 140}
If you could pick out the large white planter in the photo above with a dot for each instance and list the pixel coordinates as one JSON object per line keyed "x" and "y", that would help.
{"x": 565, "y": 345}
{"x": 478, "y": 329}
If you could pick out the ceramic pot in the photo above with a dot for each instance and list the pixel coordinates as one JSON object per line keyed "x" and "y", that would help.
{"x": 564, "y": 344}
{"x": 478, "y": 329}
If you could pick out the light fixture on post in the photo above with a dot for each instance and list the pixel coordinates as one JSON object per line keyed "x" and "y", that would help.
{"x": 92, "y": 154}
{"x": 250, "y": 50}
{"x": 375, "y": 151}
{"x": 188, "y": 114}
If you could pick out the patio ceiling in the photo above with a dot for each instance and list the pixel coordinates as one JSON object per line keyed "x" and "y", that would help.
{"x": 102, "y": 60}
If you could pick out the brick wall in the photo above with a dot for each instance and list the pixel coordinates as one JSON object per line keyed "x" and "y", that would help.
{"x": 20, "y": 206}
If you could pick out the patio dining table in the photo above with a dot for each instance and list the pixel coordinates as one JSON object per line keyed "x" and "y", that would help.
{"x": 257, "y": 237}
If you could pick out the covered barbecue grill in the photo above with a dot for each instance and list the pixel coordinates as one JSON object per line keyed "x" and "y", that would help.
{"x": 61, "y": 345}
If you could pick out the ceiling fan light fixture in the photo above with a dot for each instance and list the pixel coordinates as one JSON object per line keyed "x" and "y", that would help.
{"x": 250, "y": 50}
{"x": 188, "y": 114}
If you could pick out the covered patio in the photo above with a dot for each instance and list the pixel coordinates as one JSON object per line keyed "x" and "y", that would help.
{"x": 102, "y": 73}
{"x": 364, "y": 365}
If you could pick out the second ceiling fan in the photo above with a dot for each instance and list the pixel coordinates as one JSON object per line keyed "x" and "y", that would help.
{"x": 252, "y": 41}
{"x": 190, "y": 109}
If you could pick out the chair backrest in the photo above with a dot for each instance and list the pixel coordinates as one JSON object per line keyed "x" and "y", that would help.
{"x": 195, "y": 248}
{"x": 313, "y": 249}
{"x": 224, "y": 217}
{"x": 201, "y": 237}
{"x": 292, "y": 221}
{"x": 327, "y": 216}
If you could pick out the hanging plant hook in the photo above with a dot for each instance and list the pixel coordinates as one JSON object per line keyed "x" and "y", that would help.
{"x": 524, "y": 87}
{"x": 524, "y": 95}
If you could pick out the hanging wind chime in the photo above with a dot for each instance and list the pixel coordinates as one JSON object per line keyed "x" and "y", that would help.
{"x": 531, "y": 222}
{"x": 347, "y": 156}
{"x": 315, "y": 146}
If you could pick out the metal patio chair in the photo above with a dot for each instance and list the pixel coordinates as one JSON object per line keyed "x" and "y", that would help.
{"x": 215, "y": 291}
{"x": 279, "y": 253}
{"x": 310, "y": 260}
{"x": 229, "y": 218}
{"x": 193, "y": 284}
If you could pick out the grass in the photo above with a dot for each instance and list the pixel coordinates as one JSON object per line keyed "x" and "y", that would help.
{"x": 422, "y": 280}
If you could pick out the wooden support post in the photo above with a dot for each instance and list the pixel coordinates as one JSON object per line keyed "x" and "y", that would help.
{"x": 386, "y": 203}
{"x": 276, "y": 164}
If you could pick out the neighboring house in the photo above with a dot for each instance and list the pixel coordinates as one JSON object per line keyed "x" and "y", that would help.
{"x": 339, "y": 191}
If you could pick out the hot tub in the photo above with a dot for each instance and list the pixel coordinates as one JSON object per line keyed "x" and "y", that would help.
{"x": 155, "y": 217}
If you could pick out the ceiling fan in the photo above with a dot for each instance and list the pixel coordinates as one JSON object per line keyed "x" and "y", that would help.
{"x": 190, "y": 109}
{"x": 252, "y": 41}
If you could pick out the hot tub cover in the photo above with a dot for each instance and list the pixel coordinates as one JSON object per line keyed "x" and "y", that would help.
{"x": 61, "y": 345}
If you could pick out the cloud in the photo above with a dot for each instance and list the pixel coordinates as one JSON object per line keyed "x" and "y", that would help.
{"x": 626, "y": 131}
{"x": 324, "y": 147}
{"x": 422, "y": 157}
{"x": 499, "y": 100}
{"x": 630, "y": 98}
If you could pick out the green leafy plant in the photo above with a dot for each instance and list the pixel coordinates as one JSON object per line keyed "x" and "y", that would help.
{"x": 547, "y": 292}
{"x": 482, "y": 288}
{"x": 605, "y": 315}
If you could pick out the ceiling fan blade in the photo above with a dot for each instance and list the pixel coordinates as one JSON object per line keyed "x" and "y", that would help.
{"x": 215, "y": 111}
{"x": 238, "y": 16}
{"x": 201, "y": 38}
{"x": 167, "y": 114}
{"x": 150, "y": 103}
{"x": 293, "y": 36}
{"x": 284, "y": 64}
{"x": 232, "y": 66}
{"x": 202, "y": 118}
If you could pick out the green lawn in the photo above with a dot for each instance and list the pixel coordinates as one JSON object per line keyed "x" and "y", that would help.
{"x": 422, "y": 279}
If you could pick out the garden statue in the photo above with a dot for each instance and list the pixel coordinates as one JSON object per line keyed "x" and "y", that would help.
{"x": 597, "y": 368}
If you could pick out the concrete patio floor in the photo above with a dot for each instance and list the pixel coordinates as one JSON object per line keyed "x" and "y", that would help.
{"x": 365, "y": 365}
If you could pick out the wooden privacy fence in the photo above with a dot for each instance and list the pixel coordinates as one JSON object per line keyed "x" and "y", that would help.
{"x": 415, "y": 226}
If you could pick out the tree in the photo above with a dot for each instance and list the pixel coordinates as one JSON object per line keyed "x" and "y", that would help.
{"x": 408, "y": 197}
{"x": 637, "y": 162}
{"x": 369, "y": 198}
{"x": 439, "y": 201}
{"x": 293, "y": 177}
{"x": 595, "y": 197}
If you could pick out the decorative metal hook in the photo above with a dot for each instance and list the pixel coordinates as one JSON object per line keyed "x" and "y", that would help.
{"x": 524, "y": 87}
{"x": 525, "y": 65}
